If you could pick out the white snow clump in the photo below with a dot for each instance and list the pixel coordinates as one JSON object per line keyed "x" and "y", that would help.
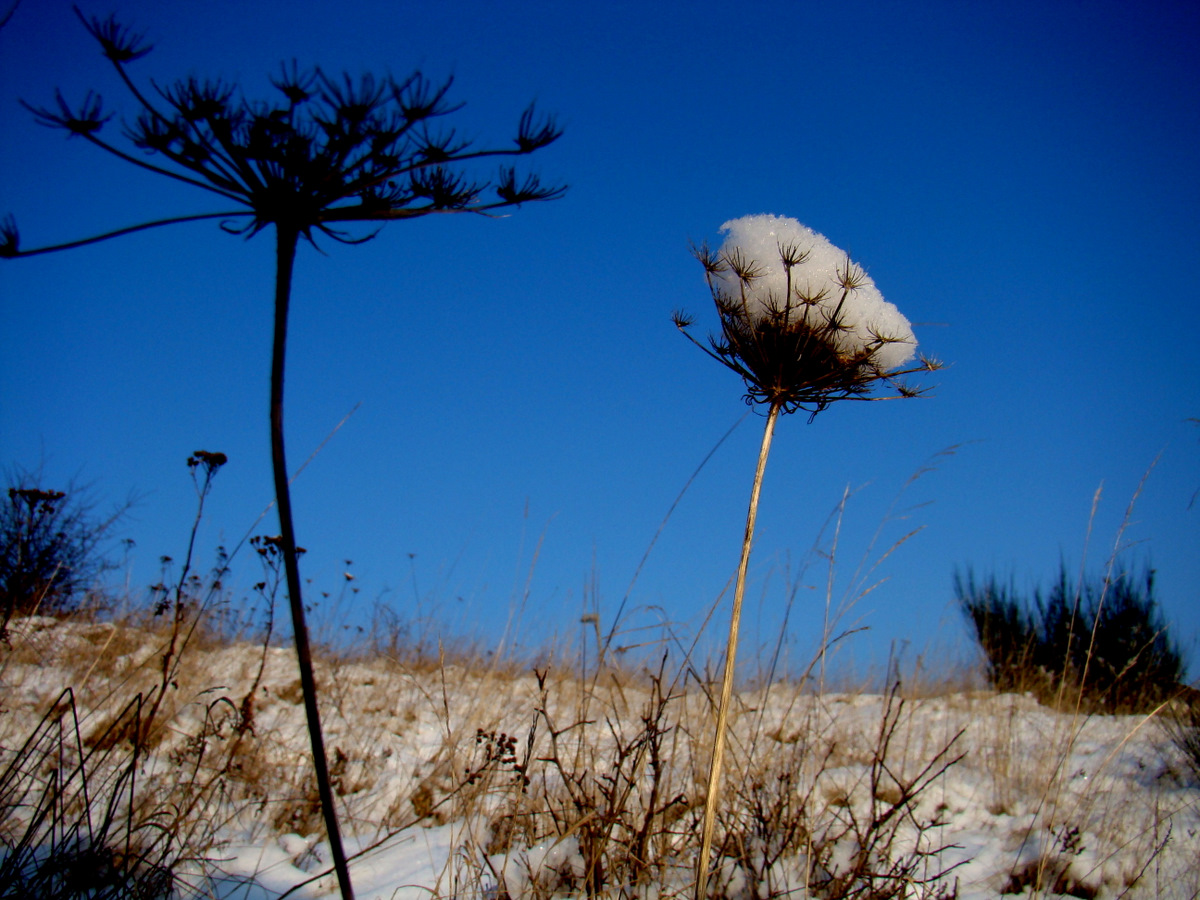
{"x": 865, "y": 315}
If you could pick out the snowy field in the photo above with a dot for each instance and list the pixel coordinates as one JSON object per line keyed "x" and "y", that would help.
{"x": 465, "y": 781}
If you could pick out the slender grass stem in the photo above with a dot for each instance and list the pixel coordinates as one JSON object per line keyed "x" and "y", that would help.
{"x": 718, "y": 756}
{"x": 286, "y": 240}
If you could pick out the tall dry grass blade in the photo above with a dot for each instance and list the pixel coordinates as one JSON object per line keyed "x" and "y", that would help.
{"x": 612, "y": 632}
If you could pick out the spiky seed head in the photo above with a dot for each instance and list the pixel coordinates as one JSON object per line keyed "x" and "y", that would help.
{"x": 834, "y": 289}
{"x": 10, "y": 237}
{"x": 330, "y": 152}
{"x": 118, "y": 42}
{"x": 801, "y": 323}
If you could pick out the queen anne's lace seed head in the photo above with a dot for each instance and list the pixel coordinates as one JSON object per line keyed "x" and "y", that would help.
{"x": 799, "y": 267}
{"x": 801, "y": 322}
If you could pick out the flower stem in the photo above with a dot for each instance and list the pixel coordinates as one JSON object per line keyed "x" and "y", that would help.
{"x": 285, "y": 257}
{"x": 718, "y": 756}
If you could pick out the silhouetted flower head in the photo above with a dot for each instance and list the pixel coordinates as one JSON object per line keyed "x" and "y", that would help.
{"x": 119, "y": 43}
{"x": 208, "y": 460}
{"x": 801, "y": 323}
{"x": 36, "y": 498}
{"x": 322, "y": 152}
{"x": 10, "y": 238}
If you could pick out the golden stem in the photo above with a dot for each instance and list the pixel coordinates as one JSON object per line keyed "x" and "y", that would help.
{"x": 714, "y": 771}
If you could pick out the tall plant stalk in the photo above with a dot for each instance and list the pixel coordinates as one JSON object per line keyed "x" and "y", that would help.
{"x": 739, "y": 591}
{"x": 324, "y": 154}
{"x": 804, "y": 327}
{"x": 286, "y": 240}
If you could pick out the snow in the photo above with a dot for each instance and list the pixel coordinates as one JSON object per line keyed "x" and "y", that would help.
{"x": 1104, "y": 804}
{"x": 761, "y": 241}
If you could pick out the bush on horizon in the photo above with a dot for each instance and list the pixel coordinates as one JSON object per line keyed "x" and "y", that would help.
{"x": 1103, "y": 642}
{"x": 52, "y": 546}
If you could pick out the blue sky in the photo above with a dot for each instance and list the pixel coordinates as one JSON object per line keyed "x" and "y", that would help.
{"x": 1020, "y": 179}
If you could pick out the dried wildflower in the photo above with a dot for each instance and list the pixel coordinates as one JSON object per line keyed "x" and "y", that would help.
{"x": 10, "y": 238}
{"x": 88, "y": 119}
{"x": 804, "y": 326}
{"x": 801, "y": 323}
{"x": 210, "y": 460}
{"x": 37, "y": 499}
{"x": 324, "y": 155}
{"x": 119, "y": 43}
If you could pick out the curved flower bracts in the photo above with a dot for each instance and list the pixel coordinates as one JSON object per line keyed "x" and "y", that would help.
{"x": 324, "y": 151}
{"x": 801, "y": 323}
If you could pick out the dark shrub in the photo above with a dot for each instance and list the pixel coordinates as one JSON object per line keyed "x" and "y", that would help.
{"x": 1104, "y": 642}
{"x": 51, "y": 546}
{"x": 1004, "y": 629}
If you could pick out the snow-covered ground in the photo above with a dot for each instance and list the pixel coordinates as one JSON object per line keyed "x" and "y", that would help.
{"x": 460, "y": 781}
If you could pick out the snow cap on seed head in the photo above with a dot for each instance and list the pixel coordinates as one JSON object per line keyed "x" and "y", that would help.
{"x": 818, "y": 283}
{"x": 801, "y": 323}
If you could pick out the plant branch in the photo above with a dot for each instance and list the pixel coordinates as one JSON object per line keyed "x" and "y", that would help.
{"x": 158, "y": 170}
{"x": 108, "y": 235}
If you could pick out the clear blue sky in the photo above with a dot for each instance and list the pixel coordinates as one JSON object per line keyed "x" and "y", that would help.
{"x": 1021, "y": 179}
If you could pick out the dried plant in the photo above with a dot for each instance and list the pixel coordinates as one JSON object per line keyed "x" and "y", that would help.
{"x": 77, "y": 831}
{"x": 203, "y": 465}
{"x": 803, "y": 326}
{"x": 1110, "y": 629}
{"x": 324, "y": 154}
{"x": 52, "y": 546}
{"x": 1182, "y": 725}
{"x": 553, "y": 783}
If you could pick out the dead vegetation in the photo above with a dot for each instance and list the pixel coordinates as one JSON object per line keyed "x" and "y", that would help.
{"x": 556, "y": 780}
